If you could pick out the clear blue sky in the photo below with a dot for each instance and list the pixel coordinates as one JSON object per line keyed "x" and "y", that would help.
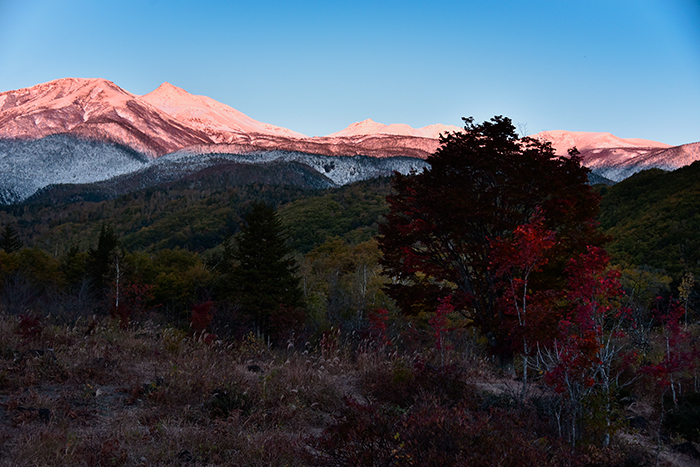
{"x": 631, "y": 68}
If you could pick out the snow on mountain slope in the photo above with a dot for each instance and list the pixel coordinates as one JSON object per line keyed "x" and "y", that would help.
{"x": 619, "y": 163}
{"x": 618, "y": 158}
{"x": 341, "y": 170}
{"x": 27, "y": 166}
{"x": 208, "y": 115}
{"x": 370, "y": 127}
{"x": 582, "y": 140}
{"x": 94, "y": 109}
{"x": 674, "y": 157}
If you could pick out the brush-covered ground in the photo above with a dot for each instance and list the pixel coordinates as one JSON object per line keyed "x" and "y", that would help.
{"x": 93, "y": 393}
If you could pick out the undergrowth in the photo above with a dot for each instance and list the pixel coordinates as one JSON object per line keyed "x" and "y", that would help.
{"x": 94, "y": 393}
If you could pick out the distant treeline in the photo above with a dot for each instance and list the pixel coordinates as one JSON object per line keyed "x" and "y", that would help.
{"x": 652, "y": 219}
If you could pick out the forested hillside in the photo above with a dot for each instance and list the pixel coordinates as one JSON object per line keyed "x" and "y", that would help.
{"x": 653, "y": 219}
{"x": 150, "y": 296}
{"x": 197, "y": 213}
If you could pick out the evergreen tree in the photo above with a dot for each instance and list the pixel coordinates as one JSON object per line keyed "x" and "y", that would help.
{"x": 263, "y": 272}
{"x": 101, "y": 260}
{"x": 10, "y": 241}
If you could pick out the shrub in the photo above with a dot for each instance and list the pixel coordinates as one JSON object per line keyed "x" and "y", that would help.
{"x": 405, "y": 384}
{"x": 431, "y": 434}
{"x": 29, "y": 327}
{"x": 684, "y": 419}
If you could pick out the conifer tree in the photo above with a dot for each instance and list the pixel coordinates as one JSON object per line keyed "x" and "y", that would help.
{"x": 10, "y": 241}
{"x": 102, "y": 258}
{"x": 263, "y": 272}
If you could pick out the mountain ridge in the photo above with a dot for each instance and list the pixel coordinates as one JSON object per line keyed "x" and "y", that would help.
{"x": 105, "y": 131}
{"x": 169, "y": 119}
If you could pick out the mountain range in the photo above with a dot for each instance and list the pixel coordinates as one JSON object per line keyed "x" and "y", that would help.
{"x": 78, "y": 131}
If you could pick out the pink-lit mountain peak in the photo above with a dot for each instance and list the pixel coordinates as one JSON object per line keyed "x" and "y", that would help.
{"x": 66, "y": 92}
{"x": 370, "y": 127}
{"x": 170, "y": 119}
{"x": 582, "y": 140}
{"x": 205, "y": 113}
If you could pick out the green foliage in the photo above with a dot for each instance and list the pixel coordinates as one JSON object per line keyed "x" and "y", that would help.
{"x": 342, "y": 283}
{"x": 102, "y": 259}
{"x": 8, "y": 264}
{"x": 10, "y": 241}
{"x": 261, "y": 270}
{"x": 653, "y": 218}
{"x": 74, "y": 265}
{"x": 39, "y": 267}
{"x": 642, "y": 286}
{"x": 199, "y": 214}
{"x": 350, "y": 213}
{"x": 33, "y": 265}
{"x": 179, "y": 278}
{"x": 29, "y": 280}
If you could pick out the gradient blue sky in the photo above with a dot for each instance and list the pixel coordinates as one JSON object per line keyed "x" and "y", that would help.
{"x": 631, "y": 68}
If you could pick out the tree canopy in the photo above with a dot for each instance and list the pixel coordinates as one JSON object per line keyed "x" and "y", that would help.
{"x": 9, "y": 241}
{"x": 482, "y": 184}
{"x": 654, "y": 219}
{"x": 102, "y": 258}
{"x": 262, "y": 269}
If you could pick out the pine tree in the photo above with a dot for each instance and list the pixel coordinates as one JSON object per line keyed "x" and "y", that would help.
{"x": 101, "y": 260}
{"x": 10, "y": 241}
{"x": 263, "y": 272}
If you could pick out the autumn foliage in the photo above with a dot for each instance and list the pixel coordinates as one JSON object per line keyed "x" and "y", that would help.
{"x": 482, "y": 185}
{"x": 202, "y": 314}
{"x": 495, "y": 331}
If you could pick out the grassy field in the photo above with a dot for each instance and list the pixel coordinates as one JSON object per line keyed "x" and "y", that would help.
{"x": 92, "y": 393}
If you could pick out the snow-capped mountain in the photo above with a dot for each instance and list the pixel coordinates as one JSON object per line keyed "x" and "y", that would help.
{"x": 209, "y": 116}
{"x": 86, "y": 130}
{"x": 94, "y": 109}
{"x": 582, "y": 140}
{"x": 169, "y": 119}
{"x": 618, "y": 158}
{"x": 370, "y": 127}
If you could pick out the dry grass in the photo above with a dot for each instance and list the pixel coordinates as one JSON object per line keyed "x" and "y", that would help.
{"x": 95, "y": 394}
{"x": 92, "y": 394}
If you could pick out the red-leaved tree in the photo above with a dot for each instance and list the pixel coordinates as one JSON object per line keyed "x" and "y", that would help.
{"x": 202, "y": 315}
{"x": 678, "y": 353}
{"x": 482, "y": 184}
{"x": 591, "y": 349}
{"x": 379, "y": 327}
{"x": 529, "y": 313}
{"x": 129, "y": 300}
{"x": 439, "y": 323}
{"x": 678, "y": 357}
